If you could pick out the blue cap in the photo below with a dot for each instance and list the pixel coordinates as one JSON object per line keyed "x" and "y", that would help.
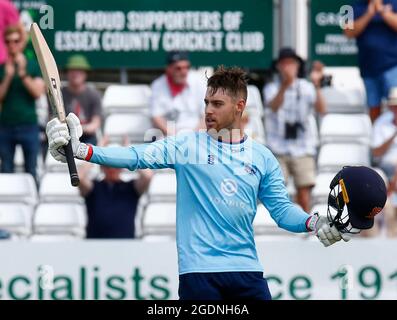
{"x": 364, "y": 193}
{"x": 175, "y": 56}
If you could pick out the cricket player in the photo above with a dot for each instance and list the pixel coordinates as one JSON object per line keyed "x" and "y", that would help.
{"x": 221, "y": 172}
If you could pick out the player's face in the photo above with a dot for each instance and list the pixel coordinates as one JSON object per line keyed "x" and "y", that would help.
{"x": 221, "y": 110}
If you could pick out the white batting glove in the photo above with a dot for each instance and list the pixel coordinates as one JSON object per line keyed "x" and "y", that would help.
{"x": 326, "y": 234}
{"x": 59, "y": 134}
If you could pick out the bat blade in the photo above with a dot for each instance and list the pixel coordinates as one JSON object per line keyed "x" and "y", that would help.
{"x": 50, "y": 74}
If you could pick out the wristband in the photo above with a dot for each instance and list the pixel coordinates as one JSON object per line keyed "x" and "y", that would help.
{"x": 84, "y": 152}
{"x": 311, "y": 222}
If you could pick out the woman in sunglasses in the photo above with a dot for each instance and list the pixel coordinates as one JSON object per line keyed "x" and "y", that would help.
{"x": 9, "y": 15}
{"x": 20, "y": 85}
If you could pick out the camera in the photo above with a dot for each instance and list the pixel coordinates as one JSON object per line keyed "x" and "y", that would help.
{"x": 291, "y": 130}
{"x": 326, "y": 81}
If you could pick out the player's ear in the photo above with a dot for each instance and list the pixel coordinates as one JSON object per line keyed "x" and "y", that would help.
{"x": 240, "y": 106}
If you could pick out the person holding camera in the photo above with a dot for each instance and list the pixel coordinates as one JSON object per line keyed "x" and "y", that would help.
{"x": 290, "y": 100}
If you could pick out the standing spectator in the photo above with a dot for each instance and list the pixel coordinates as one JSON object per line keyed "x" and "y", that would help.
{"x": 20, "y": 86}
{"x": 111, "y": 202}
{"x": 82, "y": 99}
{"x": 177, "y": 96}
{"x": 290, "y": 101}
{"x": 375, "y": 28}
{"x": 9, "y": 16}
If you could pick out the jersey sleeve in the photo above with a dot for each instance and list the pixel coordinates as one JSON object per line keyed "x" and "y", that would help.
{"x": 274, "y": 196}
{"x": 156, "y": 155}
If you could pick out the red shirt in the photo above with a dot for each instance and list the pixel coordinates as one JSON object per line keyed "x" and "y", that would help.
{"x": 175, "y": 88}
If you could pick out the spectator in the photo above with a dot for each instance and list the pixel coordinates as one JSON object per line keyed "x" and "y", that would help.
{"x": 111, "y": 203}
{"x": 20, "y": 86}
{"x": 245, "y": 121}
{"x": 388, "y": 220}
{"x": 177, "y": 96}
{"x": 384, "y": 133}
{"x": 9, "y": 16}
{"x": 384, "y": 150}
{"x": 290, "y": 100}
{"x": 82, "y": 99}
{"x": 375, "y": 28}
{"x": 249, "y": 128}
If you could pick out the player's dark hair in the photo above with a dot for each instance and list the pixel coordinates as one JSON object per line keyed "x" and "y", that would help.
{"x": 233, "y": 80}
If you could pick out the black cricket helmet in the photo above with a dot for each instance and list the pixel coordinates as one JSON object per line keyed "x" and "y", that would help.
{"x": 357, "y": 195}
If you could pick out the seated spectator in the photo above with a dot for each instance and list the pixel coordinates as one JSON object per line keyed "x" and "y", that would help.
{"x": 81, "y": 99}
{"x": 177, "y": 97}
{"x": 385, "y": 223}
{"x": 288, "y": 135}
{"x": 111, "y": 202}
{"x": 384, "y": 150}
{"x": 21, "y": 84}
{"x": 384, "y": 133}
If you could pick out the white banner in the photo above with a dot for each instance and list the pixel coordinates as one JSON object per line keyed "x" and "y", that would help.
{"x": 296, "y": 269}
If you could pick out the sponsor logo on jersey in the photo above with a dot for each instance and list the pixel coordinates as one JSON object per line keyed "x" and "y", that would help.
{"x": 229, "y": 187}
{"x": 230, "y": 202}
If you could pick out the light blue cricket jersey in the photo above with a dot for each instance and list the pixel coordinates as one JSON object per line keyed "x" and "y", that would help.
{"x": 218, "y": 185}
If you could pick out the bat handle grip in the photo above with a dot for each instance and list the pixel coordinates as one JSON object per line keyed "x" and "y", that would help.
{"x": 74, "y": 177}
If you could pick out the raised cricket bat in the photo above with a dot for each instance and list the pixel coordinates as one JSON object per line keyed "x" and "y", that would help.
{"x": 51, "y": 77}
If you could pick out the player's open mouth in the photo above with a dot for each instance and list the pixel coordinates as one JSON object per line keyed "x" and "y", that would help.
{"x": 210, "y": 122}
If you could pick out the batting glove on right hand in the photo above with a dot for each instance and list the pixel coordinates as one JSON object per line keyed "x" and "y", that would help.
{"x": 59, "y": 134}
{"x": 326, "y": 234}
